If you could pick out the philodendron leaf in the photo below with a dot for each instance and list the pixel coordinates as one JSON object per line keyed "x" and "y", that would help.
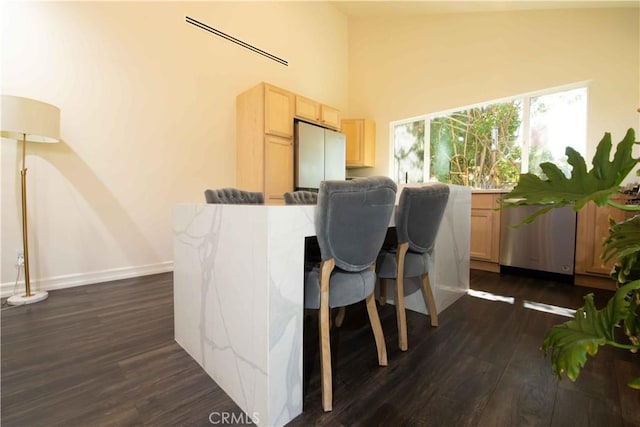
{"x": 632, "y": 322}
{"x": 598, "y": 184}
{"x": 624, "y": 238}
{"x": 623, "y": 245}
{"x": 569, "y": 343}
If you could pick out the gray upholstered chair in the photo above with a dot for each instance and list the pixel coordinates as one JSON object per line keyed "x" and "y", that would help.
{"x": 301, "y": 197}
{"x": 418, "y": 217}
{"x": 351, "y": 222}
{"x": 233, "y": 196}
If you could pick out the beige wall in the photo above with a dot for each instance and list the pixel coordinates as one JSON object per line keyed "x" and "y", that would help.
{"x": 401, "y": 68}
{"x": 148, "y": 102}
{"x": 148, "y": 119}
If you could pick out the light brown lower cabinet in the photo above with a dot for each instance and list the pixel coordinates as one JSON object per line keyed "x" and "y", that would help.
{"x": 485, "y": 232}
{"x": 592, "y": 230}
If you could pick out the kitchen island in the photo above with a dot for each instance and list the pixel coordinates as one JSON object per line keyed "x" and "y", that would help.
{"x": 238, "y": 294}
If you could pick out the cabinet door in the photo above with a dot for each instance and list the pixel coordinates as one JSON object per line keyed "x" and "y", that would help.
{"x": 353, "y": 130}
{"x": 485, "y": 227}
{"x": 307, "y": 109}
{"x": 361, "y": 142}
{"x": 278, "y": 111}
{"x": 278, "y": 168}
{"x": 592, "y": 229}
{"x": 329, "y": 116}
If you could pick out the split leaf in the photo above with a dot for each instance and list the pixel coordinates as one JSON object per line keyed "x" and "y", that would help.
{"x": 596, "y": 185}
{"x": 568, "y": 344}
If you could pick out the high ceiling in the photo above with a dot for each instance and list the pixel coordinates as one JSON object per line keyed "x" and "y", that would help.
{"x": 403, "y": 8}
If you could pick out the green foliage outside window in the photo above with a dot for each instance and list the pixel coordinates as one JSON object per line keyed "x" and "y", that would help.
{"x": 482, "y": 146}
{"x": 409, "y": 152}
{"x": 478, "y": 146}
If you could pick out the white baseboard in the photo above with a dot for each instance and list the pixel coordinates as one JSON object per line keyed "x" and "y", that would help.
{"x": 81, "y": 279}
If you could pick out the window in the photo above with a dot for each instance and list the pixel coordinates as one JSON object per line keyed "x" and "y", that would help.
{"x": 557, "y": 120}
{"x": 489, "y": 145}
{"x": 409, "y": 151}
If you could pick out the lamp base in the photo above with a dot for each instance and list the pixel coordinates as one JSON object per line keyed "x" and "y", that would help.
{"x": 23, "y": 299}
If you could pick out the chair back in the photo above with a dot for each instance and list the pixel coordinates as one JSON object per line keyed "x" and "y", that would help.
{"x": 233, "y": 196}
{"x": 419, "y": 213}
{"x": 301, "y": 197}
{"x": 352, "y": 218}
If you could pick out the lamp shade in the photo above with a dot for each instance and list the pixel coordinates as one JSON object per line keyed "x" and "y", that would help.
{"x": 39, "y": 121}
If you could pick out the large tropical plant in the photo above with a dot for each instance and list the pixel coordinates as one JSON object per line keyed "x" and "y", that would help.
{"x": 569, "y": 343}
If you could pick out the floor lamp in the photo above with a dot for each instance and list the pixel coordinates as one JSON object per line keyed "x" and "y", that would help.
{"x": 28, "y": 120}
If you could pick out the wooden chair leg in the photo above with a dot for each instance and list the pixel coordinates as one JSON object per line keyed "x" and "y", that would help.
{"x": 382, "y": 296}
{"x": 429, "y": 300}
{"x": 325, "y": 339}
{"x": 325, "y": 360}
{"x": 401, "y": 316}
{"x": 340, "y": 316}
{"x": 374, "y": 319}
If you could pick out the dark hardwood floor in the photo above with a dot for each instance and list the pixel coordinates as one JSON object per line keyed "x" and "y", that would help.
{"x": 104, "y": 355}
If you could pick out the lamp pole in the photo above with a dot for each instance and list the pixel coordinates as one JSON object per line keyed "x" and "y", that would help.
{"x": 23, "y": 193}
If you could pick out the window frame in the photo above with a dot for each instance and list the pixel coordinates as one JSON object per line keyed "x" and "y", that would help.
{"x": 524, "y": 139}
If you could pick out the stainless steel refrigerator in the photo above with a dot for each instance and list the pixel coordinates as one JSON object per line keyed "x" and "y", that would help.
{"x": 319, "y": 155}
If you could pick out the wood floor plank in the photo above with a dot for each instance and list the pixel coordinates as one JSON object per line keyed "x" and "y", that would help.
{"x": 576, "y": 408}
{"x": 526, "y": 392}
{"x": 104, "y": 355}
{"x": 629, "y": 398}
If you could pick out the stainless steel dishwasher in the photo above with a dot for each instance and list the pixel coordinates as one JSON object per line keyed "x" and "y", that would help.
{"x": 546, "y": 245}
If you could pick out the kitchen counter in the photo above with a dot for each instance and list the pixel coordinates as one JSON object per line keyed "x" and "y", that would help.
{"x": 238, "y": 294}
{"x": 490, "y": 190}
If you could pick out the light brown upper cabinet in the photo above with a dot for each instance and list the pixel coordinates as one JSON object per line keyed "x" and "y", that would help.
{"x": 313, "y": 111}
{"x": 329, "y": 116}
{"x": 307, "y": 108}
{"x": 361, "y": 142}
{"x": 278, "y": 109}
{"x": 264, "y": 137}
{"x": 264, "y": 141}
